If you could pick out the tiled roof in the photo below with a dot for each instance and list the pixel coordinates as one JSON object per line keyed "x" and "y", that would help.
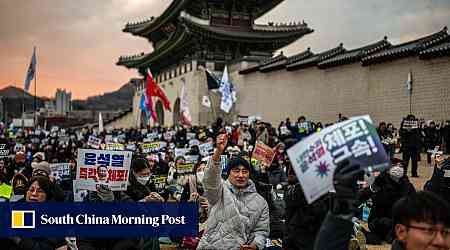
{"x": 145, "y": 27}
{"x": 407, "y": 49}
{"x": 436, "y": 51}
{"x": 355, "y": 55}
{"x": 315, "y": 59}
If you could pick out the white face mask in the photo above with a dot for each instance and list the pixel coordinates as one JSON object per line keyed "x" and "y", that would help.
{"x": 142, "y": 179}
{"x": 200, "y": 176}
{"x": 396, "y": 172}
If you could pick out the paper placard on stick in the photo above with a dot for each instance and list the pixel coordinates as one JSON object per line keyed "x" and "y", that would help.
{"x": 148, "y": 148}
{"x": 206, "y": 148}
{"x": 5, "y": 191}
{"x": 94, "y": 142}
{"x": 4, "y": 150}
{"x": 78, "y": 193}
{"x": 181, "y": 152}
{"x": 191, "y": 159}
{"x": 263, "y": 153}
{"x": 410, "y": 124}
{"x": 103, "y": 167}
{"x": 114, "y": 146}
{"x": 61, "y": 171}
{"x": 185, "y": 168}
{"x": 190, "y": 136}
{"x": 315, "y": 158}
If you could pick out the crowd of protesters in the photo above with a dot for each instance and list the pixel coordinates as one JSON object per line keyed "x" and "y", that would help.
{"x": 246, "y": 205}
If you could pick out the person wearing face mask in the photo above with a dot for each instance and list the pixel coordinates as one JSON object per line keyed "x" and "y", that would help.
{"x": 140, "y": 188}
{"x": 389, "y": 187}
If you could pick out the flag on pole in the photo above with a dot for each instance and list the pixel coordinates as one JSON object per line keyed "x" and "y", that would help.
{"x": 228, "y": 92}
{"x": 206, "y": 102}
{"x": 154, "y": 90}
{"x": 212, "y": 81}
{"x": 184, "y": 105}
{"x": 408, "y": 84}
{"x": 31, "y": 71}
{"x": 100, "y": 122}
{"x": 148, "y": 97}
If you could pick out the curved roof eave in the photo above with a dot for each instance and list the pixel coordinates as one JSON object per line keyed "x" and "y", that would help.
{"x": 145, "y": 28}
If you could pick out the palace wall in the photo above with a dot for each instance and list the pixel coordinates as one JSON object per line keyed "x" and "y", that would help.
{"x": 377, "y": 90}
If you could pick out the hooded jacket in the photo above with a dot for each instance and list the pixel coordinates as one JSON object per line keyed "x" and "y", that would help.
{"x": 236, "y": 217}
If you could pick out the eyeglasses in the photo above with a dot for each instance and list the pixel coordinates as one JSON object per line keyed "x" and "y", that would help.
{"x": 432, "y": 231}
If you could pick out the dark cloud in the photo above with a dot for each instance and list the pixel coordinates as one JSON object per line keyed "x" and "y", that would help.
{"x": 79, "y": 41}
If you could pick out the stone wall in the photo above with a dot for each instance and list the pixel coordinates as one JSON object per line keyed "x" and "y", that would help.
{"x": 377, "y": 90}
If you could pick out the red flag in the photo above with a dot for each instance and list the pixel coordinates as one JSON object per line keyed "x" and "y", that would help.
{"x": 154, "y": 90}
{"x": 148, "y": 97}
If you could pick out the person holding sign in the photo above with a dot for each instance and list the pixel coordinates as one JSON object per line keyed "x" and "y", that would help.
{"x": 410, "y": 139}
{"x": 238, "y": 215}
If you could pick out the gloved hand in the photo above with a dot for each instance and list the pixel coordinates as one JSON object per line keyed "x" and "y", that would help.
{"x": 105, "y": 193}
{"x": 346, "y": 186}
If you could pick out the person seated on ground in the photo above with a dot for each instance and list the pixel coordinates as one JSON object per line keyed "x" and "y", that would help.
{"x": 389, "y": 187}
{"x": 303, "y": 220}
{"x": 420, "y": 220}
{"x": 238, "y": 216}
{"x": 440, "y": 180}
{"x": 40, "y": 190}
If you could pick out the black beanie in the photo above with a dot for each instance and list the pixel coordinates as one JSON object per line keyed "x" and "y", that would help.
{"x": 236, "y": 162}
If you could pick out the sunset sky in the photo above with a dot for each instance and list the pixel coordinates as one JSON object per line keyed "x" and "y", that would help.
{"x": 78, "y": 42}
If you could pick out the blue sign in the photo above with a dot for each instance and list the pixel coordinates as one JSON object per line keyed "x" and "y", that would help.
{"x": 98, "y": 220}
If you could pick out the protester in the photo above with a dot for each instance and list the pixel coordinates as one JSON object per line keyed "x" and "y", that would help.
{"x": 411, "y": 143}
{"x": 431, "y": 140}
{"x": 238, "y": 215}
{"x": 389, "y": 187}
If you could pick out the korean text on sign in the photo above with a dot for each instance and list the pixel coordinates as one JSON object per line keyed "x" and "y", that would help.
{"x": 103, "y": 166}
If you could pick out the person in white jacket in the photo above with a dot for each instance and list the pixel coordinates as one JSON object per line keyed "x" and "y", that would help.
{"x": 238, "y": 216}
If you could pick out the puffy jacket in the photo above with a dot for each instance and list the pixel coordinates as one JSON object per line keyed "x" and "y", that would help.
{"x": 236, "y": 217}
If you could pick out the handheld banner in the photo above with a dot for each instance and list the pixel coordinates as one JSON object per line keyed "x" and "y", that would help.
{"x": 315, "y": 158}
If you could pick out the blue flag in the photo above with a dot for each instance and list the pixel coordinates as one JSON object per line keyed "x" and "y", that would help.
{"x": 31, "y": 71}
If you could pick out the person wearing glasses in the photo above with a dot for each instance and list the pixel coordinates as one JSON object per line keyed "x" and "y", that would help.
{"x": 421, "y": 221}
{"x": 238, "y": 216}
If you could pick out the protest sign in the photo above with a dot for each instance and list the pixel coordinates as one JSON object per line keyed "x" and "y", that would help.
{"x": 181, "y": 152}
{"x": 315, "y": 158}
{"x": 263, "y": 153}
{"x": 206, "y": 148}
{"x": 103, "y": 167}
{"x": 190, "y": 136}
{"x": 5, "y": 191}
{"x": 94, "y": 142}
{"x": 148, "y": 148}
{"x": 61, "y": 171}
{"x": 114, "y": 146}
{"x": 159, "y": 181}
{"x": 243, "y": 119}
{"x": 410, "y": 124}
{"x": 4, "y": 150}
{"x": 78, "y": 193}
{"x": 109, "y": 139}
{"x": 153, "y": 136}
{"x": 185, "y": 168}
{"x": 223, "y": 162}
{"x": 191, "y": 158}
{"x": 194, "y": 142}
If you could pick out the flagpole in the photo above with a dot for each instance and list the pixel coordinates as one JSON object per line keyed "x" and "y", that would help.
{"x": 35, "y": 87}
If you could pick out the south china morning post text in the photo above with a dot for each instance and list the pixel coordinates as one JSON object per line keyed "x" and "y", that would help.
{"x": 86, "y": 219}
{"x": 99, "y": 220}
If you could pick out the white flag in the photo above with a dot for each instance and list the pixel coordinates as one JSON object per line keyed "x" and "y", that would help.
{"x": 100, "y": 122}
{"x": 31, "y": 71}
{"x": 408, "y": 84}
{"x": 206, "y": 102}
{"x": 184, "y": 105}
{"x": 228, "y": 92}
